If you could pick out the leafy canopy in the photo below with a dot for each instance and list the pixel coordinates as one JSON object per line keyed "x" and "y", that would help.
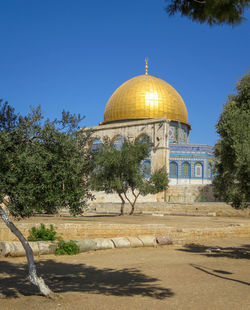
{"x": 213, "y": 12}
{"x": 44, "y": 163}
{"x": 232, "y": 151}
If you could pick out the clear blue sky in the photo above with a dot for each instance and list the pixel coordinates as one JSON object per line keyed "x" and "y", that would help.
{"x": 73, "y": 54}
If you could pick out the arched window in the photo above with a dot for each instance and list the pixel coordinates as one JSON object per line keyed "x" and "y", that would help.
{"x": 173, "y": 170}
{"x": 118, "y": 142}
{"x": 144, "y": 138}
{"x": 146, "y": 168}
{"x": 96, "y": 145}
{"x": 186, "y": 170}
{"x": 210, "y": 171}
{"x": 198, "y": 170}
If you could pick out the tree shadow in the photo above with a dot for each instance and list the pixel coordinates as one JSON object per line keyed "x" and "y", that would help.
{"x": 63, "y": 277}
{"x": 242, "y": 252}
{"x": 214, "y": 273}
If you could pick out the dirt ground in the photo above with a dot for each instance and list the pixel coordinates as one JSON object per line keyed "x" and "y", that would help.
{"x": 213, "y": 275}
{"x": 169, "y": 220}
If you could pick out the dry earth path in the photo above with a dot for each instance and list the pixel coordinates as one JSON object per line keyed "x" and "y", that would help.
{"x": 212, "y": 275}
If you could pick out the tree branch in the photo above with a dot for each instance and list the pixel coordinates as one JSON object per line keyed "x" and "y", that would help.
{"x": 128, "y": 199}
{"x": 136, "y": 196}
{"x": 201, "y": 2}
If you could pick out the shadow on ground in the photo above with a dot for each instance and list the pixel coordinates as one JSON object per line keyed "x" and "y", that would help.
{"x": 242, "y": 252}
{"x": 63, "y": 277}
{"x": 218, "y": 273}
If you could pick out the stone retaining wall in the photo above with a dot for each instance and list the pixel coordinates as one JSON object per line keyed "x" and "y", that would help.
{"x": 15, "y": 248}
{"x": 220, "y": 208}
{"x": 189, "y": 193}
{"x": 105, "y": 230}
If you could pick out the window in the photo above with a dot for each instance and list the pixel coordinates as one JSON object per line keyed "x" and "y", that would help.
{"x": 146, "y": 168}
{"x": 144, "y": 138}
{"x": 210, "y": 171}
{"x": 186, "y": 170}
{"x": 173, "y": 170}
{"x": 118, "y": 142}
{"x": 198, "y": 170}
{"x": 96, "y": 145}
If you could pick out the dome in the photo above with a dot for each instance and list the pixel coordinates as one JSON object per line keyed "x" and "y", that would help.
{"x": 145, "y": 97}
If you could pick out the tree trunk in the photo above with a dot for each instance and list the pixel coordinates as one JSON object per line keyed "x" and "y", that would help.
{"x": 122, "y": 204}
{"x": 133, "y": 203}
{"x": 39, "y": 282}
{"x": 132, "y": 209}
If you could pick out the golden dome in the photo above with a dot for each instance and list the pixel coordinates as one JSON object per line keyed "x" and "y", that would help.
{"x": 145, "y": 97}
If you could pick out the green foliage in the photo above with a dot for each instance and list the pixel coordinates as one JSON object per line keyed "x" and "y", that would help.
{"x": 119, "y": 171}
{"x": 67, "y": 248}
{"x": 42, "y": 233}
{"x": 232, "y": 181}
{"x": 49, "y": 234}
{"x": 44, "y": 164}
{"x": 158, "y": 182}
{"x": 210, "y": 11}
{"x": 115, "y": 169}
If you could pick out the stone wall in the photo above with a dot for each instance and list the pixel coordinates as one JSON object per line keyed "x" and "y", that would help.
{"x": 174, "y": 194}
{"x": 198, "y": 209}
{"x": 190, "y": 193}
{"x": 106, "y": 230}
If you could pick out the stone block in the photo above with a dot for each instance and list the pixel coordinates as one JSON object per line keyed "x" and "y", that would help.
{"x": 121, "y": 242}
{"x": 6, "y": 248}
{"x": 46, "y": 247}
{"x": 35, "y": 248}
{"x": 15, "y": 248}
{"x": 86, "y": 245}
{"x": 135, "y": 242}
{"x": 212, "y": 214}
{"x": 164, "y": 240}
{"x": 102, "y": 243}
{"x": 147, "y": 240}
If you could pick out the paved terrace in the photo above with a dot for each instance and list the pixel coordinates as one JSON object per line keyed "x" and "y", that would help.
{"x": 198, "y": 224}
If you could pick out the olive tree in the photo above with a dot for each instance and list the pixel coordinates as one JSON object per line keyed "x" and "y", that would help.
{"x": 44, "y": 167}
{"x": 232, "y": 179}
{"x": 120, "y": 171}
{"x": 213, "y": 12}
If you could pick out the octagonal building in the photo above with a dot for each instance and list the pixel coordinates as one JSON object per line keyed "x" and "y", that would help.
{"x": 148, "y": 106}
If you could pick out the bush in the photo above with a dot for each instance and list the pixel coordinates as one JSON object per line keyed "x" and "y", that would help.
{"x": 67, "y": 247}
{"x": 42, "y": 233}
{"x": 49, "y": 234}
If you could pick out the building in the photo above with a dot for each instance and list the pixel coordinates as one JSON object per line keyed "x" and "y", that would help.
{"x": 148, "y": 107}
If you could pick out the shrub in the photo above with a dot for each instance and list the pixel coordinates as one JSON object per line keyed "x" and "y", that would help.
{"x": 42, "y": 233}
{"x": 67, "y": 247}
